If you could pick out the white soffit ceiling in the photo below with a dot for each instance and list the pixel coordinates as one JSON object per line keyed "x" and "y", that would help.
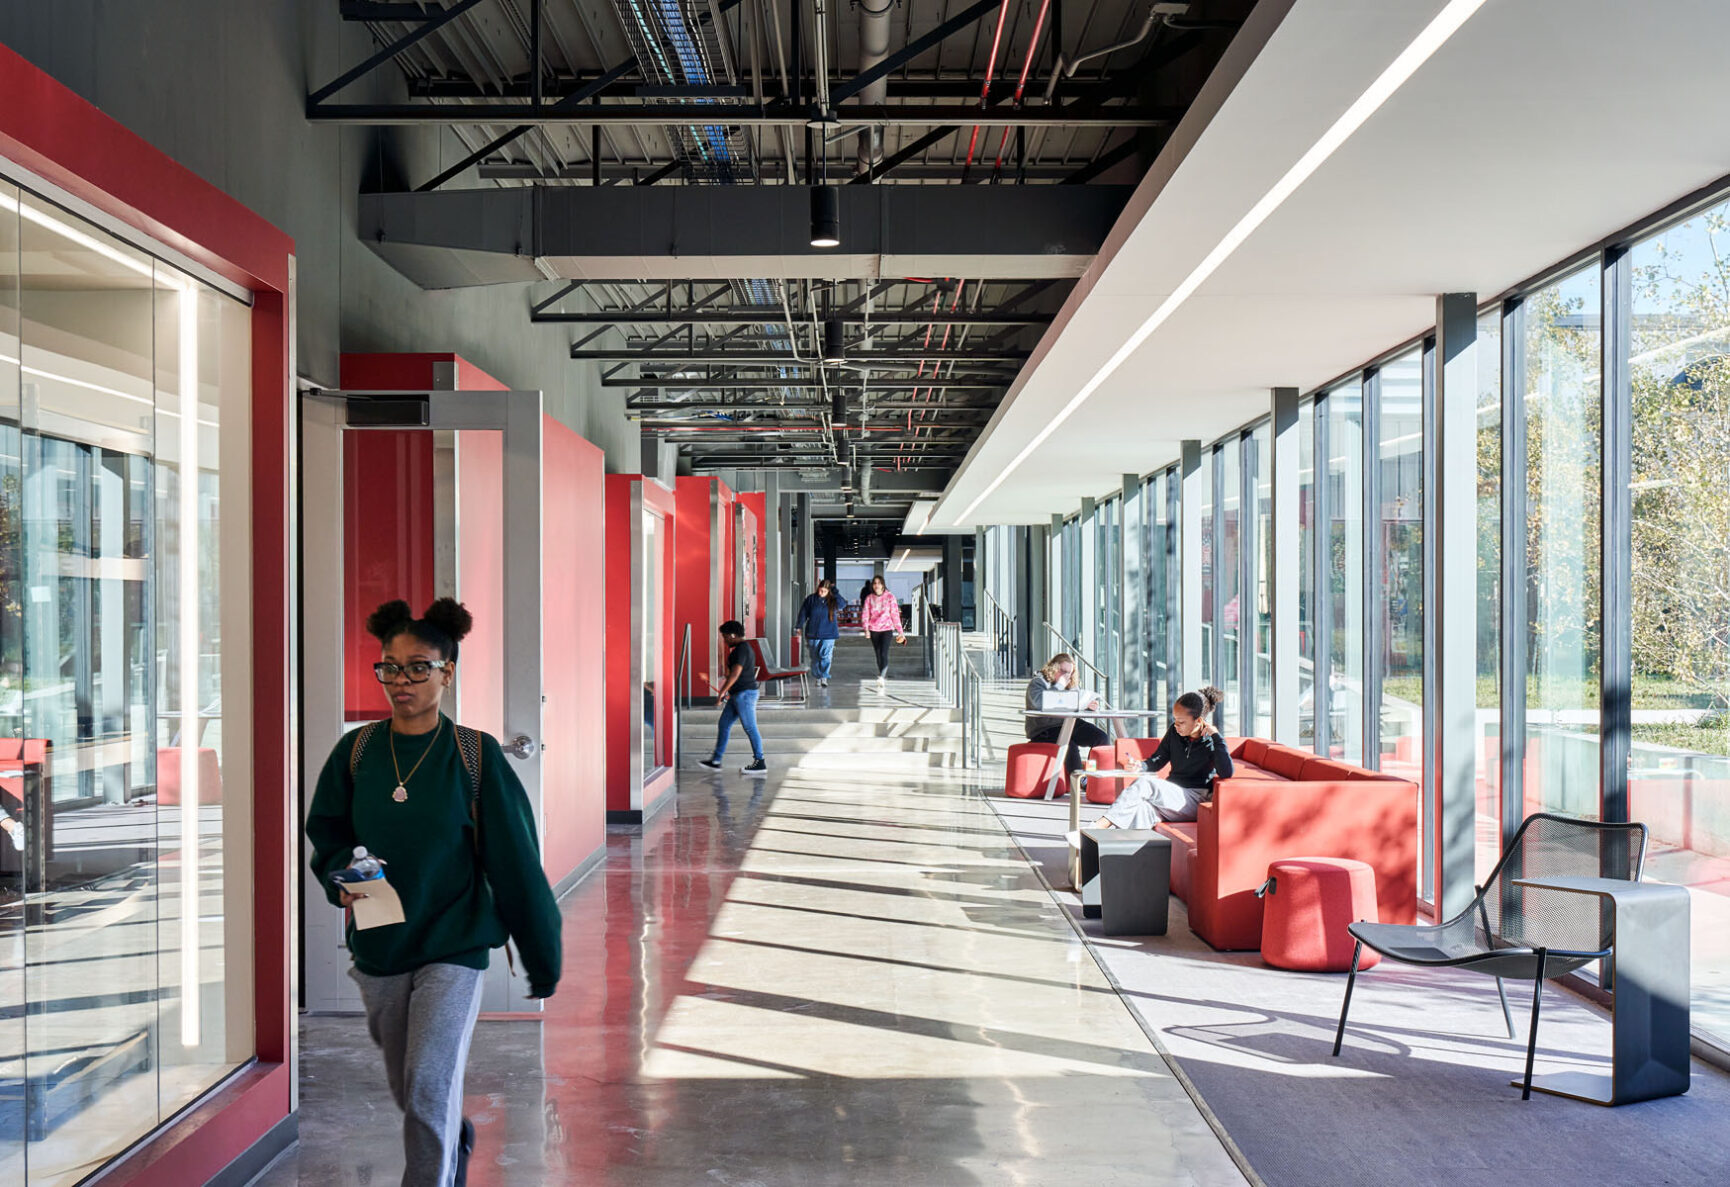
{"x": 1540, "y": 127}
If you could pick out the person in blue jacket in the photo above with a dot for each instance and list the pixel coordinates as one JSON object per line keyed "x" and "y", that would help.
{"x": 817, "y": 618}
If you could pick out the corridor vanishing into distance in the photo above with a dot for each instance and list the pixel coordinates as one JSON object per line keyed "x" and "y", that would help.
{"x": 846, "y": 973}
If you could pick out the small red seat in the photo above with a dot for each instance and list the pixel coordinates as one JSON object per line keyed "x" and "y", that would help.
{"x": 1103, "y": 789}
{"x": 1029, "y": 769}
{"x": 168, "y": 782}
{"x": 1308, "y": 904}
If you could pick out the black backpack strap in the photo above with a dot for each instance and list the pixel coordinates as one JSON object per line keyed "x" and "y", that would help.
{"x": 469, "y": 746}
{"x": 362, "y": 736}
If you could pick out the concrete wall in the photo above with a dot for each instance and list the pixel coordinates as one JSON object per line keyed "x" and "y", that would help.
{"x": 221, "y": 87}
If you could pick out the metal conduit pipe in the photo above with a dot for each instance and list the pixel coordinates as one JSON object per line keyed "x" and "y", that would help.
{"x": 1156, "y": 15}
{"x": 873, "y": 48}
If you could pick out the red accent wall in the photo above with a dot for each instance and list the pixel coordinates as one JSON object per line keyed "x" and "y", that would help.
{"x": 480, "y": 576}
{"x": 60, "y": 137}
{"x": 624, "y": 694}
{"x": 387, "y": 547}
{"x": 756, "y": 502}
{"x": 574, "y": 622}
{"x": 702, "y": 544}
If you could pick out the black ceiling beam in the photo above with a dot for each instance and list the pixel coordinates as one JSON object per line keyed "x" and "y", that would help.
{"x": 964, "y": 19}
{"x": 575, "y": 99}
{"x": 430, "y": 25}
{"x": 664, "y": 358}
{"x": 1105, "y": 160}
{"x": 773, "y": 314}
{"x": 370, "y": 10}
{"x": 780, "y": 113}
{"x": 900, "y": 89}
{"x": 906, "y": 153}
{"x": 763, "y": 384}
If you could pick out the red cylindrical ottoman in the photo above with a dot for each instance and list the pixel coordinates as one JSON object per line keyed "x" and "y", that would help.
{"x": 1308, "y": 904}
{"x": 1029, "y": 769}
{"x": 1103, "y": 789}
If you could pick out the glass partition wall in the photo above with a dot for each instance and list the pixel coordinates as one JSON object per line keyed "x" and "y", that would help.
{"x": 124, "y": 395}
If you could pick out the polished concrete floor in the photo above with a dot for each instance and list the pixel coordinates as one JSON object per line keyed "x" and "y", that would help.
{"x": 834, "y": 975}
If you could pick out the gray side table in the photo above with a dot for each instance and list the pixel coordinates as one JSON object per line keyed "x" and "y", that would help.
{"x": 1649, "y": 1009}
{"x": 1126, "y": 880}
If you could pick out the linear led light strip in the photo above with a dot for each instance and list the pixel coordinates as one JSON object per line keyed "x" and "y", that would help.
{"x": 1432, "y": 38}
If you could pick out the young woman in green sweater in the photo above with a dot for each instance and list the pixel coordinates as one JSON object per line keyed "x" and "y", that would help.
{"x": 442, "y": 808}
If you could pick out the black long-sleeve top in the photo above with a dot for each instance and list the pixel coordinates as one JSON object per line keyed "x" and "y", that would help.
{"x": 1195, "y": 762}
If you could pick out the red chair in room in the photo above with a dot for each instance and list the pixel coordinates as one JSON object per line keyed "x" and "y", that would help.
{"x": 766, "y": 674}
{"x": 1308, "y": 905}
{"x": 26, "y": 792}
{"x": 1029, "y": 770}
{"x": 168, "y": 780}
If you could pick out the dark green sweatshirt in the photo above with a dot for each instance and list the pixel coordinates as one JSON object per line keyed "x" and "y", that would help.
{"x": 458, "y": 903}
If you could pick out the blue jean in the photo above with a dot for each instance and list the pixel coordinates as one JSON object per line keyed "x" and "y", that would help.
{"x": 740, "y": 707}
{"x": 822, "y": 652}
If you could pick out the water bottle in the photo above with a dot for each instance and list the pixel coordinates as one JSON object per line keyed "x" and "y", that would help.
{"x": 365, "y": 867}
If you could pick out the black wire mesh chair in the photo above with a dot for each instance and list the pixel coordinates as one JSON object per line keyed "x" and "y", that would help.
{"x": 1515, "y": 932}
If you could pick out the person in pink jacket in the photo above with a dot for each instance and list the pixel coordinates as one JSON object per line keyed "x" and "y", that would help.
{"x": 882, "y": 618}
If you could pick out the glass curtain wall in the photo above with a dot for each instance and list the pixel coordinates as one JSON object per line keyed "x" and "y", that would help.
{"x": 125, "y": 987}
{"x": 1400, "y": 563}
{"x": 1306, "y": 526}
{"x": 1258, "y": 462}
{"x": 1679, "y": 765}
{"x": 1209, "y": 574}
{"x": 1228, "y": 578}
{"x": 1562, "y": 342}
{"x": 1345, "y": 572}
{"x": 1487, "y": 722}
{"x": 1133, "y": 581}
{"x": 1107, "y": 592}
{"x": 1161, "y": 492}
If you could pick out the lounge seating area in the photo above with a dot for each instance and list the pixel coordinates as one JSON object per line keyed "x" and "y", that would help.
{"x": 1280, "y": 802}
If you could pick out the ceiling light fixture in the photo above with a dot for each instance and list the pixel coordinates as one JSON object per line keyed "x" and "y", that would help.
{"x": 834, "y": 342}
{"x": 1399, "y": 71}
{"x": 825, "y": 216}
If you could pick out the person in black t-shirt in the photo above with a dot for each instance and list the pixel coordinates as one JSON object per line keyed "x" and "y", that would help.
{"x": 737, "y": 697}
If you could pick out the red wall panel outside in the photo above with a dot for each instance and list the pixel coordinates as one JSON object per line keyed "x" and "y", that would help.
{"x": 703, "y": 575}
{"x": 387, "y": 547}
{"x": 756, "y": 502}
{"x": 573, "y": 645}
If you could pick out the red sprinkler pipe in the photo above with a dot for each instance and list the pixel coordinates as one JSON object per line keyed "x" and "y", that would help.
{"x": 1021, "y": 83}
{"x": 985, "y": 90}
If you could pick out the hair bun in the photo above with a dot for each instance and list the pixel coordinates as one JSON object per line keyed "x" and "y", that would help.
{"x": 451, "y": 617}
{"x": 1212, "y": 696}
{"x": 388, "y": 621}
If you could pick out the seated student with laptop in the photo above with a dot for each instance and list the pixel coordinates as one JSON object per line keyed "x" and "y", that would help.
{"x": 1056, "y": 677}
{"x": 1194, "y": 750}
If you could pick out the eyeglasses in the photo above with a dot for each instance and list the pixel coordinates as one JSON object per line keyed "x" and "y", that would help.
{"x": 418, "y": 672}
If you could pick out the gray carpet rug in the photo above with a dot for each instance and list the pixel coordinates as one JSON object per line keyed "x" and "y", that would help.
{"x": 1420, "y": 1095}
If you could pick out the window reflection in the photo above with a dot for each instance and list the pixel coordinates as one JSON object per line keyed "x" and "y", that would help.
{"x": 1345, "y": 571}
{"x": 1487, "y": 732}
{"x": 114, "y": 370}
{"x": 1679, "y": 765}
{"x": 1399, "y": 452}
{"x": 1563, "y": 447}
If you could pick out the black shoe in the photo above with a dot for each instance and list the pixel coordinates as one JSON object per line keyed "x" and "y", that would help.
{"x": 757, "y": 767}
{"x": 711, "y": 763}
{"x": 465, "y": 1147}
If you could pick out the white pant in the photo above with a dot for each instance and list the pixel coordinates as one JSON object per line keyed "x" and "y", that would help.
{"x": 1148, "y": 801}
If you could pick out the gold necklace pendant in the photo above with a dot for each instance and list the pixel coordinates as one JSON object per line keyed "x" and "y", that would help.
{"x": 400, "y": 795}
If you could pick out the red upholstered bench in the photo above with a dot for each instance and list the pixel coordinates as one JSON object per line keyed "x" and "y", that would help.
{"x": 1279, "y": 801}
{"x": 1029, "y": 770}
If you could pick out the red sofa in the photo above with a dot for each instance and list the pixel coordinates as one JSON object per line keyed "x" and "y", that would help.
{"x": 1285, "y": 802}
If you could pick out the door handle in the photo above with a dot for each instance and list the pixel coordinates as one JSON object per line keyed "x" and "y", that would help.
{"x": 521, "y": 747}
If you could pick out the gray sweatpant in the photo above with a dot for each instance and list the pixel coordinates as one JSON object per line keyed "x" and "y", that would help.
{"x": 1148, "y": 801}
{"x": 422, "y": 1022}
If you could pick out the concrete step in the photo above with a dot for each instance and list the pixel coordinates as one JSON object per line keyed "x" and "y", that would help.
{"x": 769, "y": 712}
{"x": 860, "y": 747}
{"x": 862, "y": 731}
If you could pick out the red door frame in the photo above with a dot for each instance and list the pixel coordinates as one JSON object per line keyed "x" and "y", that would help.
{"x": 48, "y": 130}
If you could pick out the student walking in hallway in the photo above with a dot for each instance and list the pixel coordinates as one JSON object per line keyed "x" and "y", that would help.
{"x": 436, "y": 804}
{"x": 882, "y": 618}
{"x": 818, "y": 620}
{"x": 737, "y": 697}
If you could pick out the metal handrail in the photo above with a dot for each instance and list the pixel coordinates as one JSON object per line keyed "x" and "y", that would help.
{"x": 1003, "y": 637}
{"x": 959, "y": 682}
{"x": 1108, "y": 696}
